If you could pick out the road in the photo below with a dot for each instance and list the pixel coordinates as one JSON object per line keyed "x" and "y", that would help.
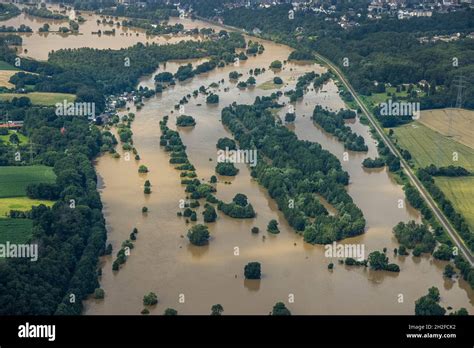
{"x": 408, "y": 170}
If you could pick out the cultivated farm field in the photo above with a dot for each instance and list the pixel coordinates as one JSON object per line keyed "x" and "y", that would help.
{"x": 15, "y": 231}
{"x": 429, "y": 147}
{"x": 460, "y": 191}
{"x": 451, "y": 122}
{"x": 15, "y": 179}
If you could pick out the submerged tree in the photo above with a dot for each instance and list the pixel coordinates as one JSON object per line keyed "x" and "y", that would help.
{"x": 217, "y": 309}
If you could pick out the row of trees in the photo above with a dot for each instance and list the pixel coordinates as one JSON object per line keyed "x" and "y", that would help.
{"x": 450, "y": 170}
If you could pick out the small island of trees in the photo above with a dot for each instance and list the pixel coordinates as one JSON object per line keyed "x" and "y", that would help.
{"x": 234, "y": 75}
{"x": 251, "y": 81}
{"x": 226, "y": 143}
{"x": 277, "y": 80}
{"x": 379, "y": 262}
{"x": 429, "y": 304}
{"x": 142, "y": 169}
{"x": 185, "y": 121}
{"x": 198, "y": 235}
{"x": 239, "y": 208}
{"x": 253, "y": 270}
{"x": 99, "y": 294}
{"x": 227, "y": 169}
{"x": 373, "y": 163}
{"x": 150, "y": 299}
{"x": 209, "y": 213}
{"x": 212, "y": 99}
{"x": 414, "y": 236}
{"x": 334, "y": 124}
{"x": 165, "y": 77}
{"x": 280, "y": 309}
{"x": 273, "y": 227}
{"x": 242, "y": 85}
{"x": 276, "y": 64}
{"x": 170, "y": 311}
{"x": 217, "y": 309}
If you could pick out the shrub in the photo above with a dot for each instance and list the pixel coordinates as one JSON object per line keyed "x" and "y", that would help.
{"x": 198, "y": 235}
{"x": 185, "y": 121}
{"x": 273, "y": 227}
{"x": 170, "y": 311}
{"x": 277, "y": 80}
{"x": 150, "y": 299}
{"x": 276, "y": 64}
{"x": 280, "y": 309}
{"x": 99, "y": 293}
{"x": 252, "y": 270}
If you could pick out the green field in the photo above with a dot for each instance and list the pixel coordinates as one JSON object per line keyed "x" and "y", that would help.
{"x": 5, "y": 66}
{"x": 377, "y": 98}
{"x": 6, "y": 138}
{"x": 429, "y": 147}
{"x": 19, "y": 203}
{"x": 14, "y": 180}
{"x": 41, "y": 98}
{"x": 16, "y": 231}
{"x": 460, "y": 191}
{"x": 13, "y": 183}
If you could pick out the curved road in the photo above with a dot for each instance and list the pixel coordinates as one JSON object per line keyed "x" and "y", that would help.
{"x": 414, "y": 180}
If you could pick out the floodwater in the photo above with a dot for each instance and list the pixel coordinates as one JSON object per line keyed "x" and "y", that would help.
{"x": 191, "y": 279}
{"x": 38, "y": 45}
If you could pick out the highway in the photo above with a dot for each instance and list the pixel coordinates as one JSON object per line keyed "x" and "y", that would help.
{"x": 459, "y": 243}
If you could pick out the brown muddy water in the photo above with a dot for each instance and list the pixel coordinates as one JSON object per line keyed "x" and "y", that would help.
{"x": 191, "y": 279}
{"x": 38, "y": 45}
{"x": 164, "y": 262}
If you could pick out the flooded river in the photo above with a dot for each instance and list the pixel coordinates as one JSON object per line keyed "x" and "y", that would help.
{"x": 191, "y": 279}
{"x": 38, "y": 45}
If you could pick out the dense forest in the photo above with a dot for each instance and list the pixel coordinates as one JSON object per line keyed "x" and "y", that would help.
{"x": 155, "y": 11}
{"x": 86, "y": 5}
{"x": 299, "y": 171}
